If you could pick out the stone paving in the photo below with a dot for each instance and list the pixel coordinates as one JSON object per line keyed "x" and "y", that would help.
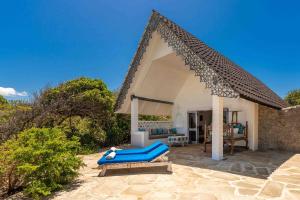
{"x": 245, "y": 175}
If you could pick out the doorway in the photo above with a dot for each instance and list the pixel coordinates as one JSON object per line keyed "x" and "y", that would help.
{"x": 204, "y": 118}
{"x": 196, "y": 125}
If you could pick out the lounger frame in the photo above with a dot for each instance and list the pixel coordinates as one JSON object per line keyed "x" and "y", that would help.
{"x": 161, "y": 160}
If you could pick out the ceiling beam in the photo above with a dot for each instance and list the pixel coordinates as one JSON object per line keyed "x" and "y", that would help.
{"x": 151, "y": 100}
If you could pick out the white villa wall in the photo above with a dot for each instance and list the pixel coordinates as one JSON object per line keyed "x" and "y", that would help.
{"x": 193, "y": 96}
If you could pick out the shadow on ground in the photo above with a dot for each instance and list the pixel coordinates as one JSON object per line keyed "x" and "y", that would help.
{"x": 243, "y": 162}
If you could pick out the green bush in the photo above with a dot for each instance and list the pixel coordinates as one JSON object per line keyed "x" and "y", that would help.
{"x": 119, "y": 131}
{"x": 293, "y": 97}
{"x": 89, "y": 132}
{"x": 40, "y": 161}
{"x": 3, "y": 100}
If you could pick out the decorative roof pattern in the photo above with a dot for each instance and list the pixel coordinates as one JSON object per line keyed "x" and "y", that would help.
{"x": 222, "y": 76}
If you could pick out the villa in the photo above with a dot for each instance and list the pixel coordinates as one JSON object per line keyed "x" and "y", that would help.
{"x": 175, "y": 74}
{"x": 209, "y": 100}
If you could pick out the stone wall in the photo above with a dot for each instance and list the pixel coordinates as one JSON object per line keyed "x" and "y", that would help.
{"x": 279, "y": 129}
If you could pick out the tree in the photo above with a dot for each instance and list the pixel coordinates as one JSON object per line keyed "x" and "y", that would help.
{"x": 293, "y": 97}
{"x": 13, "y": 116}
{"x": 82, "y": 97}
{"x": 82, "y": 107}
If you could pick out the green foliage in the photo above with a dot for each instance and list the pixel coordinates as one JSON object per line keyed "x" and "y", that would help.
{"x": 119, "y": 131}
{"x": 153, "y": 118}
{"x": 293, "y": 97}
{"x": 74, "y": 117}
{"x": 9, "y": 109}
{"x": 82, "y": 107}
{"x": 3, "y": 101}
{"x": 81, "y": 97}
{"x": 90, "y": 134}
{"x": 39, "y": 160}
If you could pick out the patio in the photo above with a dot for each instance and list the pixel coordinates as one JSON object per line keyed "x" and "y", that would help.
{"x": 244, "y": 175}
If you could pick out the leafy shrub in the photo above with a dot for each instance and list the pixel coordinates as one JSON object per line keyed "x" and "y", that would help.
{"x": 39, "y": 160}
{"x": 14, "y": 117}
{"x": 293, "y": 97}
{"x": 119, "y": 131}
{"x": 3, "y": 100}
{"x": 89, "y": 132}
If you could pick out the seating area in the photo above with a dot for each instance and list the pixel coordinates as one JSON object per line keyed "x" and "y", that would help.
{"x": 156, "y": 133}
{"x": 233, "y": 133}
{"x": 152, "y": 131}
{"x": 157, "y": 129}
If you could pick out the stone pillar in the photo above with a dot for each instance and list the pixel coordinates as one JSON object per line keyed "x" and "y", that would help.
{"x": 217, "y": 127}
{"x": 134, "y": 116}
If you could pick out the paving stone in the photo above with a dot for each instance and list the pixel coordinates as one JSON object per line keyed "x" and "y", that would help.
{"x": 292, "y": 186}
{"x": 293, "y": 179}
{"x": 236, "y": 167}
{"x": 295, "y": 193}
{"x": 248, "y": 166}
{"x": 262, "y": 171}
{"x": 245, "y": 184}
{"x": 250, "y": 173}
{"x": 136, "y": 190}
{"x": 159, "y": 195}
{"x": 196, "y": 196}
{"x": 247, "y": 192}
{"x": 224, "y": 176}
{"x": 141, "y": 180}
{"x": 272, "y": 189}
{"x": 295, "y": 170}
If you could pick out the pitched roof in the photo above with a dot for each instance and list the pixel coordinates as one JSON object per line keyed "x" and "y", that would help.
{"x": 242, "y": 82}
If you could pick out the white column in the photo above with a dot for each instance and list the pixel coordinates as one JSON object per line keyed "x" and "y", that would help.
{"x": 217, "y": 127}
{"x": 253, "y": 128}
{"x": 134, "y": 117}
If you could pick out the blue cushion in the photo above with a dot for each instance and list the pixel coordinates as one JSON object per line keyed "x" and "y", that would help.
{"x": 165, "y": 131}
{"x": 136, "y": 151}
{"x": 145, "y": 157}
{"x": 154, "y": 131}
{"x": 240, "y": 127}
{"x": 173, "y": 130}
{"x": 160, "y": 131}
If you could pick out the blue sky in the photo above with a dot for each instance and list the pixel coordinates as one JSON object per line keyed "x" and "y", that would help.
{"x": 46, "y": 42}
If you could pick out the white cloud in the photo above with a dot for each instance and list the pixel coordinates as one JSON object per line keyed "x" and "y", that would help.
{"x": 11, "y": 92}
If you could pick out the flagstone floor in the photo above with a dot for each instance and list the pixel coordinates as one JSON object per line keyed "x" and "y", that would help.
{"x": 245, "y": 175}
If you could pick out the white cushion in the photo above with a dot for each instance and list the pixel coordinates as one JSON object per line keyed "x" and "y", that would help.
{"x": 111, "y": 155}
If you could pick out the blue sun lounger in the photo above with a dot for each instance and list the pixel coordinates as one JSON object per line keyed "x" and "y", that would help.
{"x": 136, "y": 151}
{"x": 155, "y": 157}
